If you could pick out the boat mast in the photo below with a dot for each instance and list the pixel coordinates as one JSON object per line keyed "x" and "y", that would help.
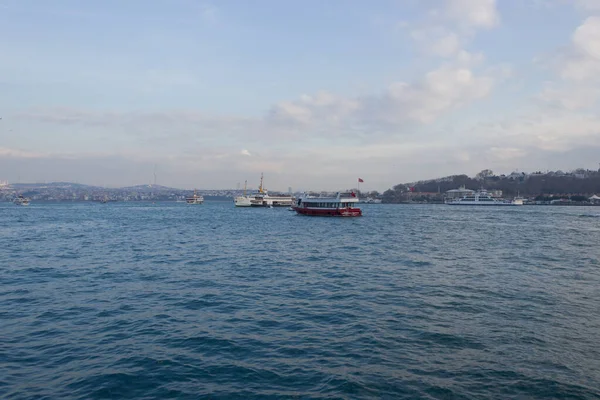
{"x": 260, "y": 188}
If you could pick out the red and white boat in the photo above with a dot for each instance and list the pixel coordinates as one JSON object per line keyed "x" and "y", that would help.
{"x": 342, "y": 205}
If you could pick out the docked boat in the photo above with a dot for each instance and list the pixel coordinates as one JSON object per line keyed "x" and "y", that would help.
{"x": 21, "y": 201}
{"x": 195, "y": 199}
{"x": 243, "y": 201}
{"x": 518, "y": 201}
{"x": 482, "y": 198}
{"x": 264, "y": 199}
{"x": 342, "y": 205}
{"x": 370, "y": 200}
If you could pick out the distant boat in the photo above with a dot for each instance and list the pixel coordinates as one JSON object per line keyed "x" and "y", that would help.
{"x": 264, "y": 199}
{"x": 243, "y": 201}
{"x": 370, "y": 200}
{"x": 518, "y": 201}
{"x": 195, "y": 199}
{"x": 21, "y": 201}
{"x": 482, "y": 198}
{"x": 342, "y": 205}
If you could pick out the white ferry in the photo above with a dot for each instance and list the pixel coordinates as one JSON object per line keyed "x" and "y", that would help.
{"x": 482, "y": 198}
{"x": 195, "y": 199}
{"x": 342, "y": 205}
{"x": 243, "y": 201}
{"x": 264, "y": 199}
{"x": 21, "y": 201}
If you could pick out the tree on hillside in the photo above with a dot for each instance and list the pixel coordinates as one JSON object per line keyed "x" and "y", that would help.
{"x": 484, "y": 174}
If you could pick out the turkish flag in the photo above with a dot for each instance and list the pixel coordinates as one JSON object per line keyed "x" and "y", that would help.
{"x": 360, "y": 180}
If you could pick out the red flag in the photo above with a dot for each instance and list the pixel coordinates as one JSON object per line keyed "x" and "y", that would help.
{"x": 353, "y": 195}
{"x": 360, "y": 180}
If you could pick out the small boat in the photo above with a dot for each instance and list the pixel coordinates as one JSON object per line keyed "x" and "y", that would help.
{"x": 243, "y": 201}
{"x": 342, "y": 205}
{"x": 518, "y": 201}
{"x": 195, "y": 199}
{"x": 21, "y": 201}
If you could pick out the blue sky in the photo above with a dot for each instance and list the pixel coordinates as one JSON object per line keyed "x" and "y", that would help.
{"x": 313, "y": 94}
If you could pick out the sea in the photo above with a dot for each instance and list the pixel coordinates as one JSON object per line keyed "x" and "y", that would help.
{"x": 169, "y": 300}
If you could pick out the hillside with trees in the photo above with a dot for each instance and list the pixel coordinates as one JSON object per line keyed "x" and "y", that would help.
{"x": 552, "y": 184}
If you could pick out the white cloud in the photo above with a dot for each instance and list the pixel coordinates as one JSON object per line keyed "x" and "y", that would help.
{"x": 447, "y": 31}
{"x": 590, "y": 5}
{"x": 441, "y": 90}
{"x": 245, "y": 153}
{"x": 577, "y": 85}
{"x": 582, "y": 60}
{"x": 587, "y": 37}
{"x": 544, "y": 130}
{"x": 506, "y": 153}
{"x": 469, "y": 60}
{"x": 473, "y": 13}
{"x": 321, "y": 108}
{"x": 437, "y": 41}
{"x": 310, "y": 117}
{"x": 570, "y": 97}
{"x": 17, "y": 153}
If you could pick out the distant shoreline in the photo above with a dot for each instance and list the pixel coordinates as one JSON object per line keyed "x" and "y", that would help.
{"x": 217, "y": 199}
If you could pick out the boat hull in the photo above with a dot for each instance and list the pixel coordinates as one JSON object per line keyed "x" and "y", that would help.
{"x": 269, "y": 205}
{"x": 328, "y": 212}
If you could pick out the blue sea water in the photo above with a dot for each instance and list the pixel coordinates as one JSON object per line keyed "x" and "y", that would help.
{"x": 166, "y": 300}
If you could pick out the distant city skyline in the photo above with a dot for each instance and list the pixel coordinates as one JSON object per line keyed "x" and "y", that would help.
{"x": 313, "y": 94}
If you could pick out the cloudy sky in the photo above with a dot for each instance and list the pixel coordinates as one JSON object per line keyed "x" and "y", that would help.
{"x": 314, "y": 94}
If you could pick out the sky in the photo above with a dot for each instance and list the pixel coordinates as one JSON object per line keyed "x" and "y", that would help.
{"x": 313, "y": 94}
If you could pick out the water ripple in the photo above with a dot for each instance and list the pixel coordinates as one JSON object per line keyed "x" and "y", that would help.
{"x": 170, "y": 301}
